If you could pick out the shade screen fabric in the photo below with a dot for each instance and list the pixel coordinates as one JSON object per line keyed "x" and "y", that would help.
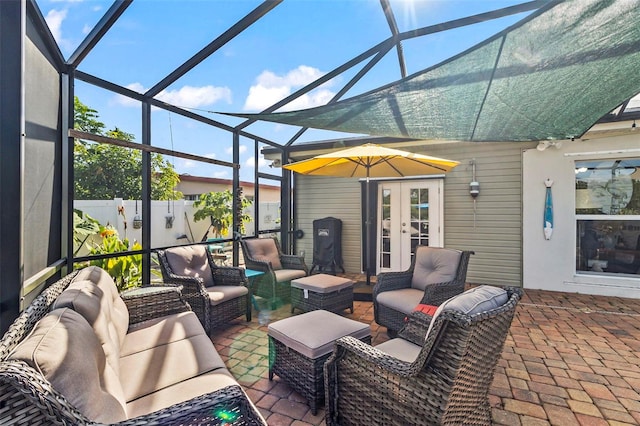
{"x": 551, "y": 76}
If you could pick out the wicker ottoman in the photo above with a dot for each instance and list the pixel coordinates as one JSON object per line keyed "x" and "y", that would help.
{"x": 300, "y": 345}
{"x": 322, "y": 291}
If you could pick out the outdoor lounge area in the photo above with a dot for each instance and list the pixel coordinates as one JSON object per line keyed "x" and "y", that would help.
{"x": 173, "y": 172}
{"x": 568, "y": 360}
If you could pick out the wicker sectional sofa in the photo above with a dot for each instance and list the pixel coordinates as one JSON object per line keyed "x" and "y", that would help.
{"x": 83, "y": 354}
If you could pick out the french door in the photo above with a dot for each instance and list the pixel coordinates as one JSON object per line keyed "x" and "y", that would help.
{"x": 410, "y": 214}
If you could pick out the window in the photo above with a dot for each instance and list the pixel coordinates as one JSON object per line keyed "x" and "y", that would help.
{"x": 608, "y": 216}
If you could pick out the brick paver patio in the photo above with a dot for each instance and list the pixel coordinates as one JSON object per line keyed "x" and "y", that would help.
{"x": 569, "y": 359}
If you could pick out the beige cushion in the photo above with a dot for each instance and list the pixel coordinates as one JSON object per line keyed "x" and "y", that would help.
{"x": 179, "y": 392}
{"x": 190, "y": 261}
{"x": 401, "y": 349}
{"x": 403, "y": 300}
{"x": 64, "y": 348}
{"x": 285, "y": 275}
{"x": 156, "y": 368}
{"x": 223, "y": 293}
{"x": 264, "y": 249}
{"x": 161, "y": 331}
{"x": 312, "y": 334}
{"x": 87, "y": 299}
{"x": 474, "y": 301}
{"x": 322, "y": 283}
{"x": 434, "y": 265}
{"x": 120, "y": 313}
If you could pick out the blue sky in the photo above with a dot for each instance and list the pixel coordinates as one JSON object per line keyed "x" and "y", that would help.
{"x": 292, "y": 45}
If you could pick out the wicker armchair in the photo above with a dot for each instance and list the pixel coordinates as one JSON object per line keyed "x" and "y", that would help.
{"x": 264, "y": 254}
{"x": 217, "y": 294}
{"x": 435, "y": 275}
{"x": 443, "y": 380}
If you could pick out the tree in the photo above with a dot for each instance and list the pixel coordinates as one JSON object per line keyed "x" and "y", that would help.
{"x": 104, "y": 171}
{"x": 218, "y": 207}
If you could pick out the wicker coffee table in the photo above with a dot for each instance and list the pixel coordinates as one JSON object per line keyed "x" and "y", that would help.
{"x": 322, "y": 291}
{"x": 300, "y": 345}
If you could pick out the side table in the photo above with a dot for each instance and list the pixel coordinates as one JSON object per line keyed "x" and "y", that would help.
{"x": 157, "y": 297}
{"x": 322, "y": 291}
{"x": 252, "y": 275}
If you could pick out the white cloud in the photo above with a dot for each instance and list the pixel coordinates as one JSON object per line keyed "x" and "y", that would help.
{"x": 308, "y": 100}
{"x": 271, "y": 88}
{"x": 54, "y": 20}
{"x": 195, "y": 97}
{"x": 185, "y": 97}
{"x": 221, "y": 175}
{"x": 242, "y": 148}
{"x": 189, "y": 164}
{"x": 251, "y": 162}
{"x": 129, "y": 102}
{"x": 210, "y": 155}
{"x": 86, "y": 29}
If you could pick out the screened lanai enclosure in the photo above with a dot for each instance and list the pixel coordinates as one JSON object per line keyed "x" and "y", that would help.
{"x": 126, "y": 96}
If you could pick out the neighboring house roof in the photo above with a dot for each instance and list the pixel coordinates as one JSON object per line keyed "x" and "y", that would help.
{"x": 227, "y": 182}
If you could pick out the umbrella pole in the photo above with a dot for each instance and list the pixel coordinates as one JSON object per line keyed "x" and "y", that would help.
{"x": 368, "y": 230}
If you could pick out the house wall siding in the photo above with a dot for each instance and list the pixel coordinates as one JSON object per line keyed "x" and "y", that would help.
{"x": 495, "y": 237}
{"x": 496, "y": 233}
{"x": 318, "y": 197}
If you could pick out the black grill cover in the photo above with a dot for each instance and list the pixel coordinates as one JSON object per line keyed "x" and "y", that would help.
{"x": 327, "y": 244}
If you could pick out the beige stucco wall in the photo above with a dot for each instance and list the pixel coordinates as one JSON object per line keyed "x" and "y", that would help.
{"x": 550, "y": 264}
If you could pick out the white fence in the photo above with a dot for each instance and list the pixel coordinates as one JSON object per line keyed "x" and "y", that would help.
{"x": 171, "y": 221}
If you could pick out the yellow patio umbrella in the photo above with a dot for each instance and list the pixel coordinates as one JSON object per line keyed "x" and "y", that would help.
{"x": 371, "y": 160}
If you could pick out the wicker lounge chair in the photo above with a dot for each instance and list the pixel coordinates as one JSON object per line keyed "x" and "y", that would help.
{"x": 217, "y": 294}
{"x": 410, "y": 380}
{"x": 435, "y": 275}
{"x": 264, "y": 254}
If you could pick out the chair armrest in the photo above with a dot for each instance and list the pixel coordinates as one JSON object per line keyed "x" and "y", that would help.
{"x": 149, "y": 302}
{"x": 191, "y": 285}
{"x": 349, "y": 349}
{"x": 416, "y": 327}
{"x": 388, "y": 281}
{"x": 258, "y": 265}
{"x": 290, "y": 261}
{"x": 229, "y": 275}
{"x": 228, "y": 406}
{"x": 436, "y": 294}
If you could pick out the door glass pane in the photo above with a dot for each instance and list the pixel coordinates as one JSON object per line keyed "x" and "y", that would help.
{"x": 419, "y": 218}
{"x": 385, "y": 237}
{"x": 415, "y": 196}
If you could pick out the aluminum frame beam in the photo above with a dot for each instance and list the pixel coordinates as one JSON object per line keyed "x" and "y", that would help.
{"x": 216, "y": 44}
{"x": 100, "y": 29}
{"x": 12, "y": 36}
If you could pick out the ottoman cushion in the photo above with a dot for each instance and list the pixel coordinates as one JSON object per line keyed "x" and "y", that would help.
{"x": 322, "y": 283}
{"x": 312, "y": 334}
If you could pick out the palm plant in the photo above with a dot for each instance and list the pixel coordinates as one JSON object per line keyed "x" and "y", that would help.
{"x": 218, "y": 207}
